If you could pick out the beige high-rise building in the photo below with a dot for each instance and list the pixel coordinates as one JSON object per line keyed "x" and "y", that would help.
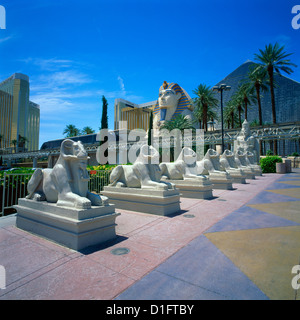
{"x": 19, "y": 117}
{"x": 136, "y": 116}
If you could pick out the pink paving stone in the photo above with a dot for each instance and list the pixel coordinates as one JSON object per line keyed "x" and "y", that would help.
{"x": 130, "y": 222}
{"x": 28, "y": 256}
{"x": 141, "y": 259}
{"x": 169, "y": 235}
{"x": 78, "y": 279}
{"x": 40, "y": 240}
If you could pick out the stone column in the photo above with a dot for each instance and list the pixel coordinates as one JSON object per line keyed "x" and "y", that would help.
{"x": 34, "y": 164}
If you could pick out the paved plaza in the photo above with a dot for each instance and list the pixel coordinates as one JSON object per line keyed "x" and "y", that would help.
{"x": 242, "y": 244}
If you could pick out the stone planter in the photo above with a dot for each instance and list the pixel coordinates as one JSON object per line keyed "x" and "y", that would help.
{"x": 280, "y": 167}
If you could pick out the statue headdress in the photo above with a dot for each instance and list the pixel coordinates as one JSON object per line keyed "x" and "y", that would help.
{"x": 183, "y": 103}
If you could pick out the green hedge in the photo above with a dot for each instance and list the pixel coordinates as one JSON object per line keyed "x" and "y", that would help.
{"x": 268, "y": 164}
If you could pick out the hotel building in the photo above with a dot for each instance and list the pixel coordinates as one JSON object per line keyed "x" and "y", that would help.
{"x": 137, "y": 116}
{"x": 19, "y": 117}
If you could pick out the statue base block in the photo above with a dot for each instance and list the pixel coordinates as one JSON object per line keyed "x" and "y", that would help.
{"x": 221, "y": 182}
{"x": 153, "y": 201}
{"x": 71, "y": 227}
{"x": 249, "y": 172}
{"x": 195, "y": 189}
{"x": 237, "y": 177}
{"x": 257, "y": 170}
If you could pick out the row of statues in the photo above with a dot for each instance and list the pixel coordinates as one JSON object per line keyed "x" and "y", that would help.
{"x": 142, "y": 174}
{"x": 67, "y": 183}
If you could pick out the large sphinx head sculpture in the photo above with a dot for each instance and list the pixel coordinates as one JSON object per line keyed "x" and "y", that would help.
{"x": 172, "y": 100}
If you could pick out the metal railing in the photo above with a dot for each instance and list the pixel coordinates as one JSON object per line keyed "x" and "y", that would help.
{"x": 98, "y": 180}
{"x": 14, "y": 186}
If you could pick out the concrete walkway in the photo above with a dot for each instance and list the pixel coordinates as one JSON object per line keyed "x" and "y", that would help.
{"x": 241, "y": 245}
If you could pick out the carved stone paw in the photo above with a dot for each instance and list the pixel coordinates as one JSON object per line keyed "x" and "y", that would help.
{"x": 83, "y": 203}
{"x": 105, "y": 201}
{"x": 162, "y": 186}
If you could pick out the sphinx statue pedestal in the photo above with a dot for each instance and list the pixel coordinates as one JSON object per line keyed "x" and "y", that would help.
{"x": 60, "y": 207}
{"x": 153, "y": 201}
{"x": 240, "y": 159}
{"x": 71, "y": 227}
{"x": 193, "y": 188}
{"x": 183, "y": 174}
{"x": 227, "y": 163}
{"x": 221, "y": 181}
{"x": 251, "y": 163}
{"x": 210, "y": 166}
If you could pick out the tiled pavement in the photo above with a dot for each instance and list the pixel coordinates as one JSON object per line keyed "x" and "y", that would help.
{"x": 240, "y": 245}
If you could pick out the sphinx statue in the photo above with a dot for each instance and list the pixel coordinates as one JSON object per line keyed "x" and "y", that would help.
{"x": 67, "y": 183}
{"x": 251, "y": 162}
{"x": 138, "y": 187}
{"x": 59, "y": 206}
{"x": 242, "y": 163}
{"x": 184, "y": 174}
{"x": 172, "y": 100}
{"x": 184, "y": 168}
{"x": 227, "y": 163}
{"x": 210, "y": 165}
{"x": 144, "y": 173}
{"x": 245, "y": 141}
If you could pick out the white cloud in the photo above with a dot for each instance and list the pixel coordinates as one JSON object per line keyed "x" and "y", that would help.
{"x": 52, "y": 64}
{"x": 122, "y": 86}
{"x": 2, "y": 40}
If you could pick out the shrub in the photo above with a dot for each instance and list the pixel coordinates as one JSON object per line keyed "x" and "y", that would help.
{"x": 269, "y": 153}
{"x": 268, "y": 164}
{"x": 295, "y": 154}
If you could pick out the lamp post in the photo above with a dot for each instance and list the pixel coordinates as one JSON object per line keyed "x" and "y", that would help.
{"x": 220, "y": 88}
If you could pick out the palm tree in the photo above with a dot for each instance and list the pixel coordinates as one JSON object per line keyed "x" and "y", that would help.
{"x": 22, "y": 141}
{"x": 179, "y": 122}
{"x": 87, "y": 130}
{"x": 237, "y": 100}
{"x": 1, "y": 136}
{"x": 230, "y": 115}
{"x": 14, "y": 142}
{"x": 71, "y": 131}
{"x": 204, "y": 101}
{"x": 273, "y": 58}
{"x": 257, "y": 83}
{"x": 247, "y": 97}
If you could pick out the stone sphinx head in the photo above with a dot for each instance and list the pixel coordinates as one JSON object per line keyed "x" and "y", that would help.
{"x": 188, "y": 155}
{"x": 148, "y": 155}
{"x": 245, "y": 132}
{"x": 172, "y": 100}
{"x": 211, "y": 153}
{"x": 73, "y": 150}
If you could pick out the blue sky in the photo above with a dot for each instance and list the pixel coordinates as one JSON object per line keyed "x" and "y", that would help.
{"x": 76, "y": 51}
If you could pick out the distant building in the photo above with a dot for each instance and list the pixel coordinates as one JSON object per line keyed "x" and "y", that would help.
{"x": 137, "y": 116}
{"x": 19, "y": 117}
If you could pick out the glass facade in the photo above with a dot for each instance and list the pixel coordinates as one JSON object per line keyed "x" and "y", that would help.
{"x": 137, "y": 116}
{"x": 19, "y": 117}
